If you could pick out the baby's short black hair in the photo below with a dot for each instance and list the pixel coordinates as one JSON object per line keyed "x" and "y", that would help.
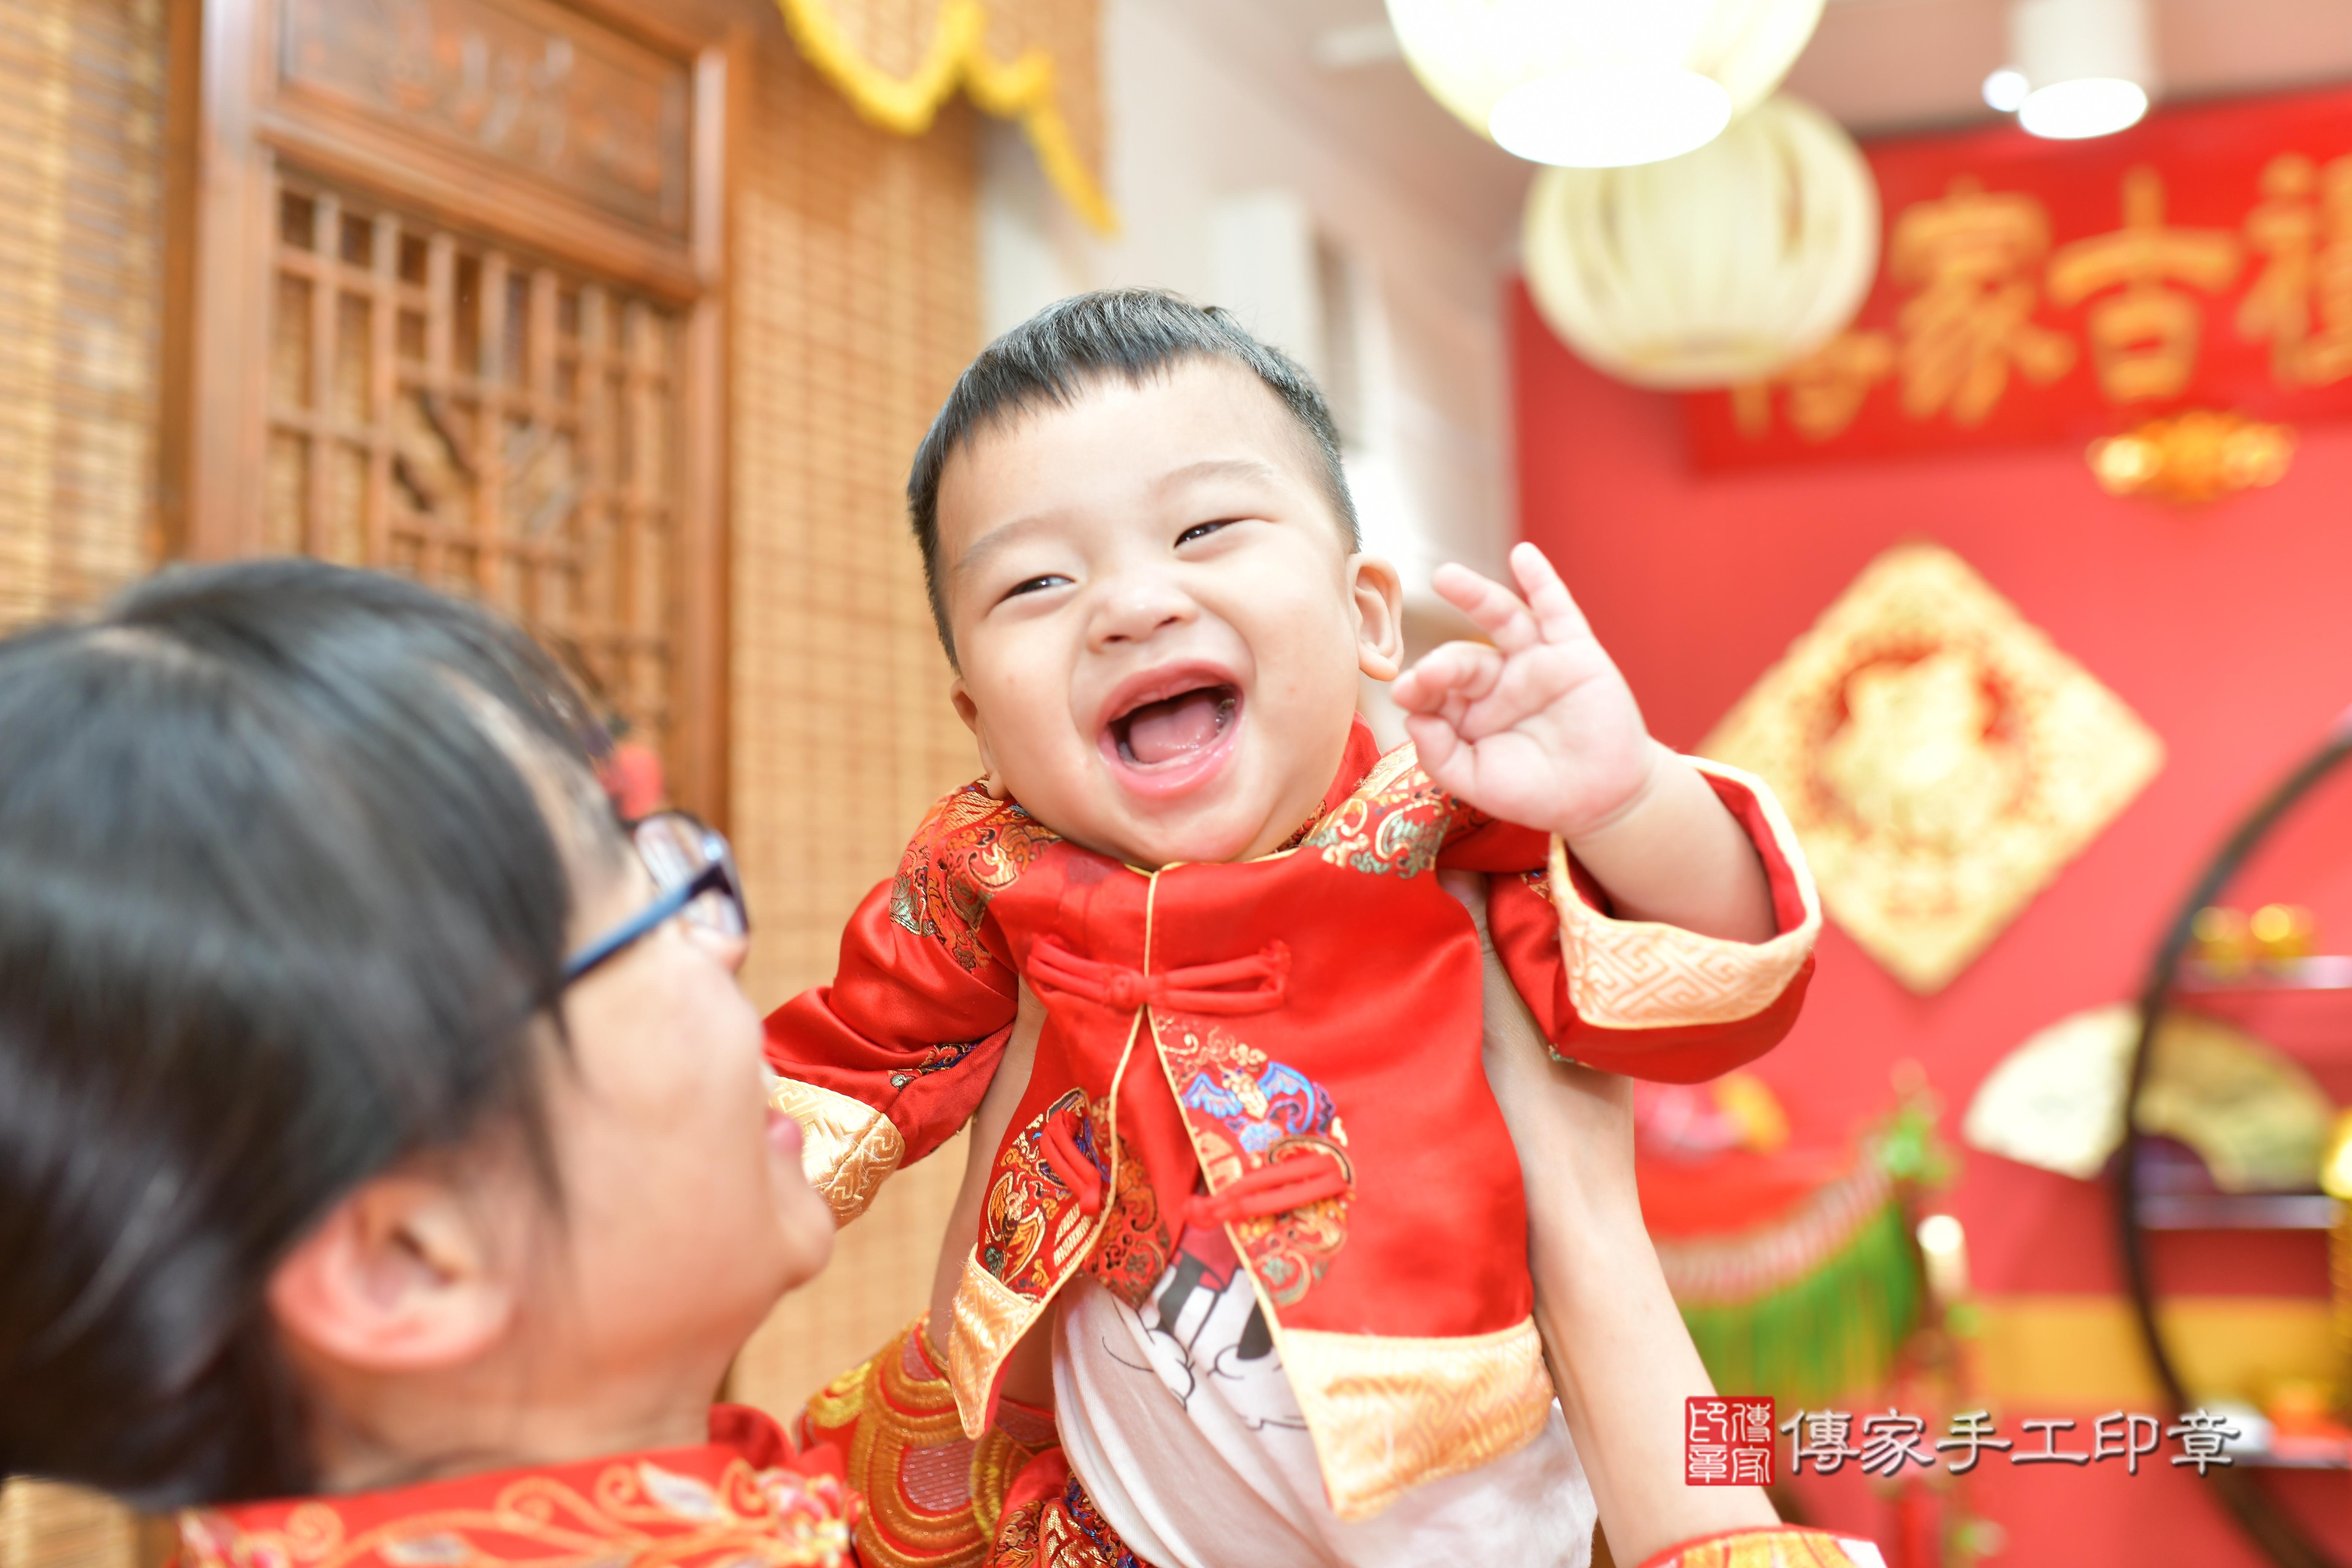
{"x": 1054, "y": 356}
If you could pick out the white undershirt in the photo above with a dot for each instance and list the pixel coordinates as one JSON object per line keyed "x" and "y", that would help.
{"x": 1180, "y": 1422}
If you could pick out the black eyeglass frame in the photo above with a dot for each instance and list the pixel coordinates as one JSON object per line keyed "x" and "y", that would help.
{"x": 717, "y": 877}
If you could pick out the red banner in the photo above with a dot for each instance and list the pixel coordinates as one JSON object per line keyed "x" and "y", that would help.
{"x": 2032, "y": 290}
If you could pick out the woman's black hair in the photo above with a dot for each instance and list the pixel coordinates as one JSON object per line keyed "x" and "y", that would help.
{"x": 278, "y": 903}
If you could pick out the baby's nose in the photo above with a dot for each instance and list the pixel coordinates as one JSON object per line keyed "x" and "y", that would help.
{"x": 1137, "y": 608}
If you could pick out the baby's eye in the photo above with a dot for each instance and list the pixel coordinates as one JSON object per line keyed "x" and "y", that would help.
{"x": 1036, "y": 584}
{"x": 1200, "y": 531}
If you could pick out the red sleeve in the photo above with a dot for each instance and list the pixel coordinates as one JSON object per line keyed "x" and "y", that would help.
{"x": 1525, "y": 924}
{"x": 1648, "y": 1038}
{"x": 921, "y": 1008}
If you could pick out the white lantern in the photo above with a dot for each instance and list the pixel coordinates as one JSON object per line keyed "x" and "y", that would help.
{"x": 1713, "y": 269}
{"x": 1600, "y": 83}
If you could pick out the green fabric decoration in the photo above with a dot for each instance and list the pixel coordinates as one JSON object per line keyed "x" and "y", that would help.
{"x": 1831, "y": 1332}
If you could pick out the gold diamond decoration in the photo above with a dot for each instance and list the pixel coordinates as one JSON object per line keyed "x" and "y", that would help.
{"x": 1940, "y": 759}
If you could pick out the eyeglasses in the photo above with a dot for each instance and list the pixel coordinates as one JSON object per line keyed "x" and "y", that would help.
{"x": 695, "y": 870}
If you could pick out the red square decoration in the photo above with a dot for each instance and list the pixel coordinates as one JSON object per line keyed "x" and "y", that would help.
{"x": 1726, "y": 1441}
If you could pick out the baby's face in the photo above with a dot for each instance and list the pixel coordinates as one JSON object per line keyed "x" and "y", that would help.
{"x": 1158, "y": 622}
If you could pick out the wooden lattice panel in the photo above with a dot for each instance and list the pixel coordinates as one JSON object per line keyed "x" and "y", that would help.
{"x": 481, "y": 420}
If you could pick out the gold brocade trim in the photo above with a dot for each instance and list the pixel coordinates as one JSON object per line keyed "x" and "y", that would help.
{"x": 989, "y": 1319}
{"x": 996, "y": 1462}
{"x": 848, "y": 1148}
{"x": 1389, "y": 1413}
{"x": 1640, "y": 974}
{"x": 1021, "y": 88}
{"x": 842, "y": 1400}
{"x": 911, "y": 1462}
{"x": 632, "y": 1512}
{"x": 1785, "y": 1547}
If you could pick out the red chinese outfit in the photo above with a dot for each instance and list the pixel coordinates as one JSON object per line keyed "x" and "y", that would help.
{"x": 742, "y": 1500}
{"x": 1288, "y": 1046}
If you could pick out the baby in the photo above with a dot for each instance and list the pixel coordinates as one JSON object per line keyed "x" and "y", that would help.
{"x": 1257, "y": 1164}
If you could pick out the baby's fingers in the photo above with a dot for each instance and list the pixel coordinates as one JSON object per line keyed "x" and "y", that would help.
{"x": 1553, "y": 609}
{"x": 1493, "y": 608}
{"x": 1458, "y": 670}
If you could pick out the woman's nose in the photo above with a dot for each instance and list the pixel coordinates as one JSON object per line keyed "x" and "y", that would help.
{"x": 728, "y": 947}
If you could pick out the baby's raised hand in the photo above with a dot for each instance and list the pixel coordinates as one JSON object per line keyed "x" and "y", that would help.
{"x": 1539, "y": 729}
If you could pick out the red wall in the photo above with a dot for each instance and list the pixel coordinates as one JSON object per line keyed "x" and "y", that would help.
{"x": 2228, "y": 628}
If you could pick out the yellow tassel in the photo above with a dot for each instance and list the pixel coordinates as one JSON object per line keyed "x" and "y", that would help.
{"x": 1021, "y": 89}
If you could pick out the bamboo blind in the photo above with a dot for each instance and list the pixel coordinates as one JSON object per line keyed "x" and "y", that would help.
{"x": 81, "y": 175}
{"x": 82, "y": 86}
{"x": 60, "y": 1527}
{"x": 856, "y": 303}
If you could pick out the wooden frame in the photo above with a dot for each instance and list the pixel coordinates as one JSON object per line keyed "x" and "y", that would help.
{"x": 444, "y": 116}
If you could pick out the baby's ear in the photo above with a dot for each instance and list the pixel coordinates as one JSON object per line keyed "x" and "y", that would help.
{"x": 1378, "y": 594}
{"x": 969, "y": 711}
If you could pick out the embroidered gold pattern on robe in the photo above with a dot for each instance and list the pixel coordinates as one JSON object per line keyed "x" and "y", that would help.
{"x": 847, "y": 1148}
{"x": 1389, "y": 1413}
{"x": 969, "y": 850}
{"x": 1063, "y": 1531}
{"x": 1941, "y": 760}
{"x": 637, "y": 1512}
{"x": 1031, "y": 1223}
{"x": 1637, "y": 974}
{"x": 1394, "y": 824}
{"x": 910, "y": 1461}
{"x": 1786, "y": 1547}
{"x": 1245, "y": 1113}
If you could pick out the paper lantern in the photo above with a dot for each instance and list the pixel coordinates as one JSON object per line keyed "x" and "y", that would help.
{"x": 1713, "y": 269}
{"x": 1600, "y": 83}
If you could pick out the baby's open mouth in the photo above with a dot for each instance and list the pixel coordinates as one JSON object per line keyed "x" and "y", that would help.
{"x": 1173, "y": 729}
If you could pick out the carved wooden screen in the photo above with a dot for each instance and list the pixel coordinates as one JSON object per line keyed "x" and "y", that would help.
{"x": 487, "y": 422}
{"x": 455, "y": 310}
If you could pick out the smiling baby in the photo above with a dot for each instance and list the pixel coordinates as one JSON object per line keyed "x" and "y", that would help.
{"x": 1256, "y": 1187}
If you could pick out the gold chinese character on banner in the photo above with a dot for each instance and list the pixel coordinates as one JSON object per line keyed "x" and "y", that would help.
{"x": 2303, "y": 229}
{"x": 2144, "y": 336}
{"x": 1825, "y": 388}
{"x": 1972, "y": 256}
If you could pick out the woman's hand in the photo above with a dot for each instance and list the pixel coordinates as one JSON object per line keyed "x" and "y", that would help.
{"x": 1621, "y": 1358}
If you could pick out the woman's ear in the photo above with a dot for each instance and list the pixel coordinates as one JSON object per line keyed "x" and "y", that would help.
{"x": 1379, "y": 597}
{"x": 401, "y": 1276}
{"x": 969, "y": 711}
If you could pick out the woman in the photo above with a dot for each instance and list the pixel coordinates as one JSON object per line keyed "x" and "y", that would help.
{"x": 368, "y": 1125}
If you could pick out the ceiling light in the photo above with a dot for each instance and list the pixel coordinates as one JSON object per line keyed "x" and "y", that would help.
{"x": 1600, "y": 83}
{"x": 2091, "y": 106}
{"x": 2005, "y": 90}
{"x": 1608, "y": 117}
{"x": 2089, "y": 65}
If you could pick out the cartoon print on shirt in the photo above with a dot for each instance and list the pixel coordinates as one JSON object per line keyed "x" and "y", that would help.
{"x": 1207, "y": 1334}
